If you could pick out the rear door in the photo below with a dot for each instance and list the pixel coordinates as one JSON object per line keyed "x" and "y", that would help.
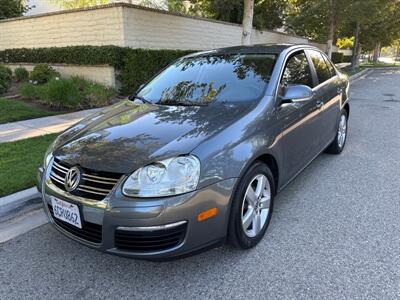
{"x": 329, "y": 93}
{"x": 301, "y": 121}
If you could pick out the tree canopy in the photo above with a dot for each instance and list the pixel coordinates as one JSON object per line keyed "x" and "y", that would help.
{"x": 12, "y": 8}
{"x": 268, "y": 14}
{"x": 69, "y": 4}
{"x": 379, "y": 19}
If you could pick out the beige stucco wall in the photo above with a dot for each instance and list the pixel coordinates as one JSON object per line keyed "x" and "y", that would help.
{"x": 259, "y": 37}
{"x": 347, "y": 52}
{"x": 127, "y": 25}
{"x": 145, "y": 29}
{"x": 90, "y": 27}
{"x": 101, "y": 74}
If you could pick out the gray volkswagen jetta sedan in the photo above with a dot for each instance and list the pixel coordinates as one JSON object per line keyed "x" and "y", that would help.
{"x": 196, "y": 156}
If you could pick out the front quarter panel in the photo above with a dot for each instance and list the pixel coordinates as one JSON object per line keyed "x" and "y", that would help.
{"x": 228, "y": 153}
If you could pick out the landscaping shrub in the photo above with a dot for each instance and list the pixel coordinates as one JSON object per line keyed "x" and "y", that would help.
{"x": 34, "y": 92}
{"x": 5, "y": 78}
{"x": 61, "y": 93}
{"x": 135, "y": 66}
{"x": 28, "y": 90}
{"x": 69, "y": 93}
{"x": 42, "y": 73}
{"x": 21, "y": 74}
{"x": 337, "y": 57}
{"x": 93, "y": 94}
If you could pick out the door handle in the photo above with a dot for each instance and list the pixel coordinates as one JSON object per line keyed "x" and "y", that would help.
{"x": 319, "y": 104}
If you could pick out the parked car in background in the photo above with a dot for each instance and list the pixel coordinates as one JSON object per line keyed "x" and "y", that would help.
{"x": 196, "y": 157}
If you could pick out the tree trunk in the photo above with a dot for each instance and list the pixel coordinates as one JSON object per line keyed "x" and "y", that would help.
{"x": 186, "y": 4}
{"x": 332, "y": 27}
{"x": 247, "y": 21}
{"x": 354, "y": 59}
{"x": 377, "y": 52}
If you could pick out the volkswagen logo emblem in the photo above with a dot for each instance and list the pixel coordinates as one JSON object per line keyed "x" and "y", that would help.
{"x": 72, "y": 179}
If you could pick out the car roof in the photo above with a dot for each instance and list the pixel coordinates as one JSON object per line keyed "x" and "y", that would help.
{"x": 257, "y": 48}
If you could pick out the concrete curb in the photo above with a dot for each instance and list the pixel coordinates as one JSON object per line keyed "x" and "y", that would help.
{"x": 12, "y": 202}
{"x": 22, "y": 224}
{"x": 359, "y": 74}
{"x": 370, "y": 70}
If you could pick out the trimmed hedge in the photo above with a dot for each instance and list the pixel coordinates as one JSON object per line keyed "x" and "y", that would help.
{"x": 337, "y": 57}
{"x": 79, "y": 55}
{"x": 347, "y": 58}
{"x": 135, "y": 66}
{"x": 140, "y": 65}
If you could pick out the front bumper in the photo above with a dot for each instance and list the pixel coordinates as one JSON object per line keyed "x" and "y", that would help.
{"x": 150, "y": 216}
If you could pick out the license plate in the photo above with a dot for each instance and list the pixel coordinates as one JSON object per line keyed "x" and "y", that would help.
{"x": 66, "y": 212}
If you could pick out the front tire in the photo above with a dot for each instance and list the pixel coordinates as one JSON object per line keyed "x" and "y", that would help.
{"x": 339, "y": 142}
{"x": 252, "y": 207}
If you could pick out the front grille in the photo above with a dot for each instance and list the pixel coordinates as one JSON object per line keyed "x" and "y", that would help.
{"x": 90, "y": 232}
{"x": 150, "y": 241}
{"x": 95, "y": 185}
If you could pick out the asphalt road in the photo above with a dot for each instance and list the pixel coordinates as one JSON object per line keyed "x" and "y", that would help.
{"x": 335, "y": 233}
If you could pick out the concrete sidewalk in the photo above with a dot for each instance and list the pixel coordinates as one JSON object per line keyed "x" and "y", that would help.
{"x": 35, "y": 127}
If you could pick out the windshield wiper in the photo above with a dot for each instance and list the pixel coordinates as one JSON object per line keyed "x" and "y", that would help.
{"x": 136, "y": 96}
{"x": 181, "y": 103}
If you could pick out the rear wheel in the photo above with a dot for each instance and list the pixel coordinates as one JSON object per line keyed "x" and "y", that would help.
{"x": 339, "y": 142}
{"x": 252, "y": 207}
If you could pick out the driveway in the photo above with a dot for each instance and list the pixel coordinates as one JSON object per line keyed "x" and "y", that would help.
{"x": 335, "y": 233}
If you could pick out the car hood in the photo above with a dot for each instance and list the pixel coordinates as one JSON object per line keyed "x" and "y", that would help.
{"x": 128, "y": 135}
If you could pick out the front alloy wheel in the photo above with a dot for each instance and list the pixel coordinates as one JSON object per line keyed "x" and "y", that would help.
{"x": 255, "y": 206}
{"x": 251, "y": 206}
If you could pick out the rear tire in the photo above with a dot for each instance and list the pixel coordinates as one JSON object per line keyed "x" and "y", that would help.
{"x": 337, "y": 146}
{"x": 252, "y": 206}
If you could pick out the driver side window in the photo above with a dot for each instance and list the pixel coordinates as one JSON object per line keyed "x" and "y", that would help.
{"x": 297, "y": 71}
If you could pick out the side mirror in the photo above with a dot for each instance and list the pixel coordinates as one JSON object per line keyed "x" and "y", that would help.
{"x": 296, "y": 93}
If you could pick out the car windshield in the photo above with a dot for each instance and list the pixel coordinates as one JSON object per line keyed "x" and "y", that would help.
{"x": 201, "y": 80}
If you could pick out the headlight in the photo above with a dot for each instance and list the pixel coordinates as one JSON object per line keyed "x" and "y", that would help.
{"x": 168, "y": 177}
{"x": 47, "y": 157}
{"x": 49, "y": 153}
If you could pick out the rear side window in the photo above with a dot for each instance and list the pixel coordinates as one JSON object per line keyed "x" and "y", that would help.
{"x": 330, "y": 66}
{"x": 321, "y": 67}
{"x": 297, "y": 71}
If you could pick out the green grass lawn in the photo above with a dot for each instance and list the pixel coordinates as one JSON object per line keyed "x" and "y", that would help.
{"x": 19, "y": 161}
{"x": 378, "y": 64}
{"x": 347, "y": 70}
{"x": 14, "y": 110}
